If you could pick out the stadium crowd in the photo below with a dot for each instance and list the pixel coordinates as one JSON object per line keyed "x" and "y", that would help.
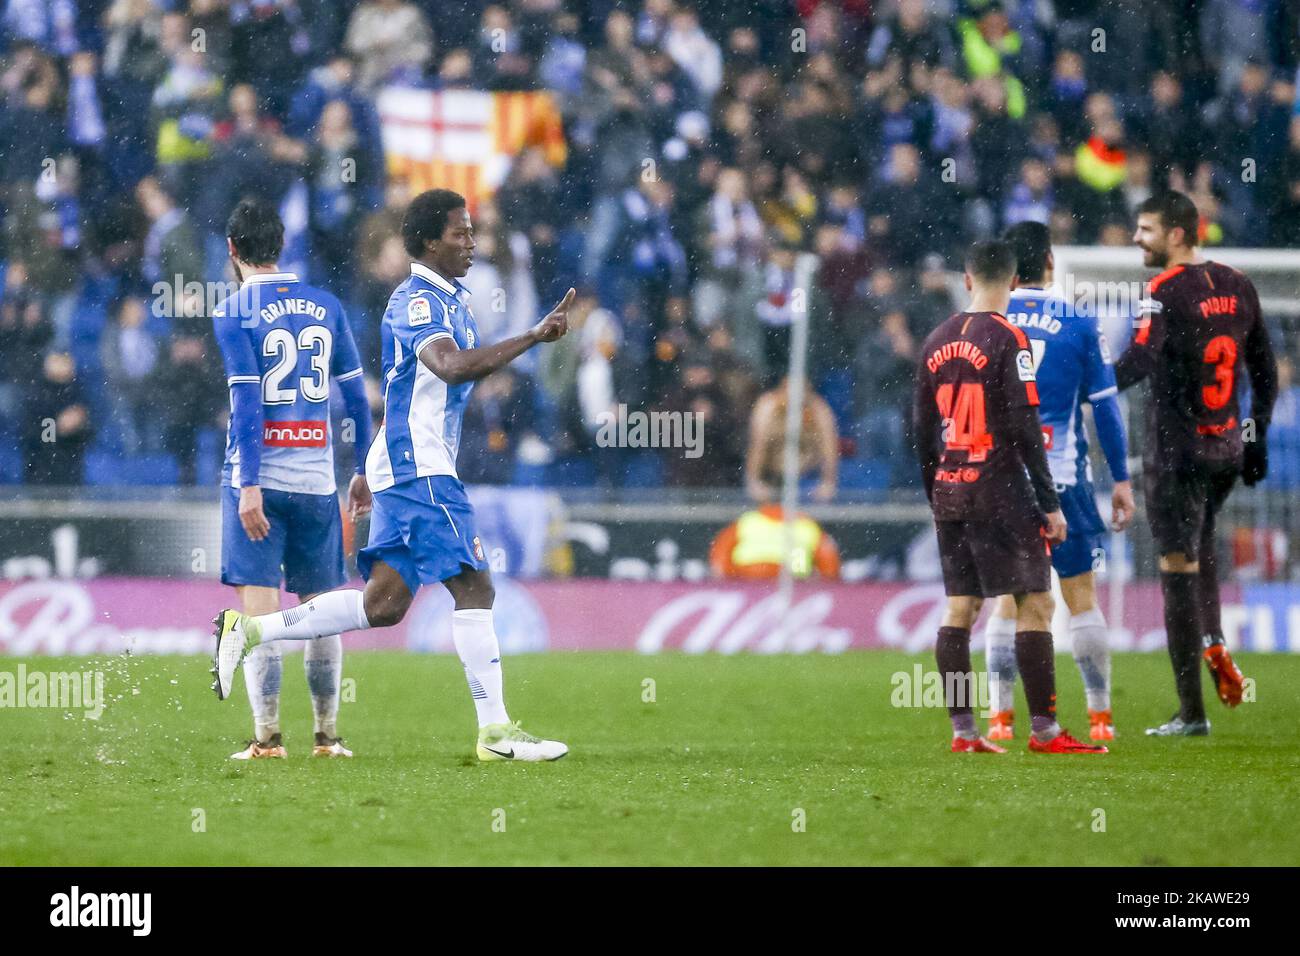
{"x": 729, "y": 161}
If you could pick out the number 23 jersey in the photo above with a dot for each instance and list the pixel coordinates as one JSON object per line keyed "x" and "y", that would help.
{"x": 289, "y": 339}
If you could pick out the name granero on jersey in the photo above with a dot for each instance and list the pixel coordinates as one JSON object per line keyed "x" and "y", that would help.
{"x": 293, "y": 307}
{"x": 961, "y": 349}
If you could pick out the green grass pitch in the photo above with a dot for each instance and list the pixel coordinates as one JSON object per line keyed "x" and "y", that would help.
{"x": 721, "y": 768}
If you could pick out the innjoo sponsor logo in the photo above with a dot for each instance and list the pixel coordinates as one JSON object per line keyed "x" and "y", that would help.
{"x": 134, "y": 910}
{"x": 61, "y": 690}
{"x": 295, "y": 434}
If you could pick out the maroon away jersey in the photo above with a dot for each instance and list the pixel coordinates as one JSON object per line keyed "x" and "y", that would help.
{"x": 1199, "y": 328}
{"x": 976, "y": 377}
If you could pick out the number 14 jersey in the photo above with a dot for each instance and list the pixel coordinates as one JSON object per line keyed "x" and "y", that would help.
{"x": 976, "y": 385}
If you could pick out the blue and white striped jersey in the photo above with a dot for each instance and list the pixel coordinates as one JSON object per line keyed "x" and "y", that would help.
{"x": 422, "y": 413}
{"x": 289, "y": 339}
{"x": 1072, "y": 365}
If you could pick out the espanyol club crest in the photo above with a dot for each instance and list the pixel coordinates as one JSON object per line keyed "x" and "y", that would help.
{"x": 478, "y": 548}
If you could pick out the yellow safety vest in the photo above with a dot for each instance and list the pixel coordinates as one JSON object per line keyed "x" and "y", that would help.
{"x": 761, "y": 540}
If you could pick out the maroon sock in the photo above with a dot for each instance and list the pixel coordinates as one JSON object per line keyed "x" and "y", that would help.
{"x": 952, "y": 653}
{"x": 1183, "y": 632}
{"x": 1037, "y": 662}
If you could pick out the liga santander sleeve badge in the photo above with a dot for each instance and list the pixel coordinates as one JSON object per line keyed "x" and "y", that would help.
{"x": 418, "y": 311}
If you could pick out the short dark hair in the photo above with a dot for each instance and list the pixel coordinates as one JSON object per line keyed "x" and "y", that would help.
{"x": 991, "y": 260}
{"x": 426, "y": 218}
{"x": 1032, "y": 244}
{"x": 1176, "y": 211}
{"x": 256, "y": 232}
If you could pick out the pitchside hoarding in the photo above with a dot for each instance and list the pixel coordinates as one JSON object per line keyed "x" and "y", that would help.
{"x": 106, "y": 616}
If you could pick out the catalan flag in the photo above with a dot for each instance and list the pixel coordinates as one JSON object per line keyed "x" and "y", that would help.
{"x": 465, "y": 140}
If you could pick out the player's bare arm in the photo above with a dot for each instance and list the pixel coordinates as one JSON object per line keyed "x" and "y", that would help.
{"x": 251, "y": 514}
{"x": 1122, "y": 507}
{"x": 454, "y": 365}
{"x": 359, "y": 498}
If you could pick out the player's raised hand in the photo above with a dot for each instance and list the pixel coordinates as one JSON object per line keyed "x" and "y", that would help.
{"x": 1122, "y": 508}
{"x": 360, "y": 499}
{"x": 251, "y": 515}
{"x": 556, "y": 322}
{"x": 1056, "y": 528}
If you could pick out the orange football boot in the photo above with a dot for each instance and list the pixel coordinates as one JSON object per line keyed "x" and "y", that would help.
{"x": 980, "y": 745}
{"x": 1227, "y": 676}
{"x": 1002, "y": 725}
{"x": 255, "y": 750}
{"x": 1063, "y": 743}
{"x": 1100, "y": 725}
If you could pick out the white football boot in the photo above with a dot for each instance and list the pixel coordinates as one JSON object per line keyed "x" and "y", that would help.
{"x": 236, "y": 636}
{"x": 512, "y": 742}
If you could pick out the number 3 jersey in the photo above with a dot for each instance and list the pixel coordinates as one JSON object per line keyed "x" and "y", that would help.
{"x": 1199, "y": 325}
{"x": 289, "y": 338}
{"x": 977, "y": 427}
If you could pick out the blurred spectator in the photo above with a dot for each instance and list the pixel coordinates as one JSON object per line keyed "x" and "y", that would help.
{"x": 818, "y": 452}
{"x": 1031, "y": 197}
{"x": 500, "y": 417}
{"x": 698, "y": 393}
{"x": 885, "y": 369}
{"x": 732, "y": 240}
{"x": 601, "y": 389}
{"x": 172, "y": 254}
{"x": 186, "y": 102}
{"x": 338, "y": 175}
{"x": 390, "y": 39}
{"x": 56, "y": 425}
{"x": 190, "y": 376}
{"x": 268, "y": 41}
{"x": 694, "y": 51}
{"x": 25, "y": 332}
{"x": 129, "y": 355}
{"x": 908, "y": 215}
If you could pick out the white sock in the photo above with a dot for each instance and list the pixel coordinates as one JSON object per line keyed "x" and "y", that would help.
{"x": 322, "y": 659}
{"x": 476, "y": 643}
{"x": 1000, "y": 661}
{"x": 324, "y": 615}
{"x": 1091, "y": 642}
{"x": 262, "y": 672}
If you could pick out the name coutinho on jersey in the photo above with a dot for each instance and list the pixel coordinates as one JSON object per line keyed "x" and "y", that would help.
{"x": 295, "y": 434}
{"x": 954, "y": 350}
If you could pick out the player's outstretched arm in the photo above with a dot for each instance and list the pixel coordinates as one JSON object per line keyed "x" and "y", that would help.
{"x": 455, "y": 366}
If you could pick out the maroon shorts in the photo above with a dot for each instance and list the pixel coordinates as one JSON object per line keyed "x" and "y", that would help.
{"x": 1182, "y": 505}
{"x": 989, "y": 558}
